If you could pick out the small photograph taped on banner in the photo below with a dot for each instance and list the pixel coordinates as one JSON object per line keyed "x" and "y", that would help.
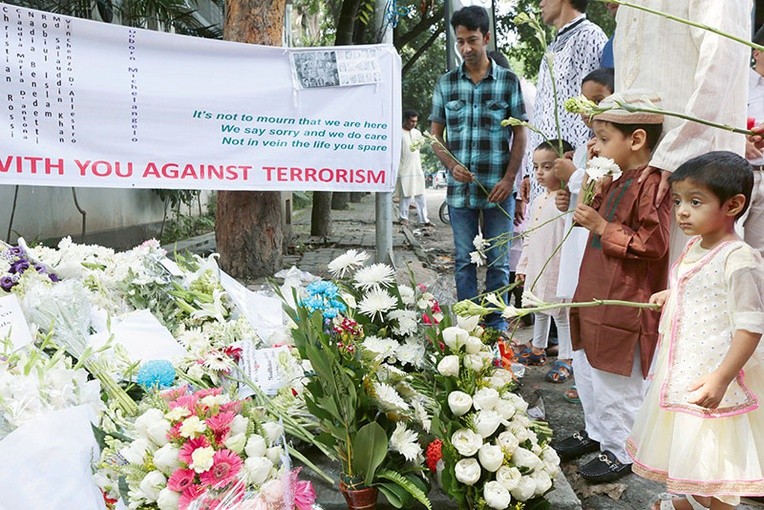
{"x": 328, "y": 68}
{"x": 314, "y": 69}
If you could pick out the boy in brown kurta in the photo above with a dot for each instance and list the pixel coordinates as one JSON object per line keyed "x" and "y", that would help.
{"x": 626, "y": 258}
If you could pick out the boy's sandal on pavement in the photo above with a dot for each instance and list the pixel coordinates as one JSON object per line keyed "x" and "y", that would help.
{"x": 528, "y": 358}
{"x": 560, "y": 372}
{"x": 667, "y": 502}
{"x": 571, "y": 395}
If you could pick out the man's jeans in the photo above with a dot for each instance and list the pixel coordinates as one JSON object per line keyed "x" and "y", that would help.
{"x": 464, "y": 223}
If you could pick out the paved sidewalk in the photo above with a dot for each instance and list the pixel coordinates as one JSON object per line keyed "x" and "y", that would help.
{"x": 427, "y": 254}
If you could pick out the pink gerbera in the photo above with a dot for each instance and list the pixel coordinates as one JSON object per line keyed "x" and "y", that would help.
{"x": 187, "y": 401}
{"x": 206, "y": 393}
{"x": 225, "y": 466}
{"x": 232, "y": 407}
{"x": 190, "y": 447}
{"x": 181, "y": 479}
{"x": 191, "y": 494}
{"x": 220, "y": 423}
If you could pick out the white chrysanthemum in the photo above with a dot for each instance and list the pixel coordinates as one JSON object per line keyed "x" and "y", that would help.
{"x": 405, "y": 442}
{"x": 374, "y": 276}
{"x": 598, "y": 168}
{"x": 407, "y": 324}
{"x": 348, "y": 261}
{"x": 380, "y": 347}
{"x": 376, "y": 302}
{"x": 477, "y": 258}
{"x": 411, "y": 352}
{"x": 408, "y": 296}
{"x": 388, "y": 398}
{"x": 480, "y": 243}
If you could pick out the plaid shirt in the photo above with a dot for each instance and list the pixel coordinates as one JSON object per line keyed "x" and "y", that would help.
{"x": 472, "y": 115}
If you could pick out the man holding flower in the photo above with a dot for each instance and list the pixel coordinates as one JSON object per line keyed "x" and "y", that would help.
{"x": 470, "y": 101}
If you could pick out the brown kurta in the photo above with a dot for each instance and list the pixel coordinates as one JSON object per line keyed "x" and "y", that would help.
{"x": 628, "y": 262}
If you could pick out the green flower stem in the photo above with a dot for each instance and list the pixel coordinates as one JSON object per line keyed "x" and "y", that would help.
{"x": 725, "y": 127}
{"x": 588, "y": 304}
{"x": 686, "y": 22}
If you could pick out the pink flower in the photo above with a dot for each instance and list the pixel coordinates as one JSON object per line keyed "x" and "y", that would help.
{"x": 220, "y": 423}
{"x": 174, "y": 432}
{"x": 206, "y": 393}
{"x": 191, "y": 494}
{"x": 304, "y": 495}
{"x": 232, "y": 407}
{"x": 187, "y": 401}
{"x": 172, "y": 394}
{"x": 181, "y": 479}
{"x": 226, "y": 465}
{"x": 190, "y": 447}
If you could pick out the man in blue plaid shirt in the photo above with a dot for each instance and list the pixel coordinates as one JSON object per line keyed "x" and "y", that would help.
{"x": 469, "y": 103}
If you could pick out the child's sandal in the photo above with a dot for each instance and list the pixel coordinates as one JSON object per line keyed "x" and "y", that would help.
{"x": 560, "y": 372}
{"x": 529, "y": 358}
{"x": 571, "y": 395}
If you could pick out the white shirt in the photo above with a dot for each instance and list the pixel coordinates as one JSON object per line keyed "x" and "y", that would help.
{"x": 693, "y": 70}
{"x": 756, "y": 103}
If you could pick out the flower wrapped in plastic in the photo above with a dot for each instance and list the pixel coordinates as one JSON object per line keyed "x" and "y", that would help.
{"x": 197, "y": 449}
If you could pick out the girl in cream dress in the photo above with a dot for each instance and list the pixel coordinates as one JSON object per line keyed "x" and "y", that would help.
{"x": 701, "y": 427}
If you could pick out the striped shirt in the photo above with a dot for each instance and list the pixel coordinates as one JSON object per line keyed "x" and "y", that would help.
{"x": 472, "y": 114}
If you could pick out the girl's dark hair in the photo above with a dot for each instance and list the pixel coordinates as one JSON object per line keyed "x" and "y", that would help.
{"x": 725, "y": 173}
{"x": 553, "y": 145}
{"x": 472, "y": 17}
{"x": 605, "y": 76}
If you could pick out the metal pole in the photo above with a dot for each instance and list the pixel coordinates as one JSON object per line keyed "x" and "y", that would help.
{"x": 384, "y": 201}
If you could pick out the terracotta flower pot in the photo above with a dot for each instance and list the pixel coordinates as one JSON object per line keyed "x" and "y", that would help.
{"x": 360, "y": 499}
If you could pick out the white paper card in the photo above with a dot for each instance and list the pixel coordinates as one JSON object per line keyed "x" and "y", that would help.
{"x": 264, "y": 313}
{"x": 262, "y": 367}
{"x": 172, "y": 267}
{"x": 13, "y": 323}
{"x": 143, "y": 337}
{"x": 47, "y": 463}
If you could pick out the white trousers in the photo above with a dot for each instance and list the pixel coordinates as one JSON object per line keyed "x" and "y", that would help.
{"x": 610, "y": 401}
{"x": 421, "y": 208}
{"x": 542, "y": 323}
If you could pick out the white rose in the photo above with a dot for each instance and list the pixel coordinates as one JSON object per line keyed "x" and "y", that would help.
{"x": 466, "y": 442}
{"x": 509, "y": 477}
{"x": 236, "y": 442}
{"x": 486, "y": 423}
{"x": 273, "y": 431}
{"x": 551, "y": 460}
{"x": 468, "y": 323}
{"x": 491, "y": 457}
{"x": 485, "y": 398}
{"x": 523, "y": 458}
{"x": 255, "y": 446}
{"x": 136, "y": 451}
{"x": 473, "y": 345}
{"x": 454, "y": 337}
{"x": 274, "y": 454}
{"x": 519, "y": 430}
{"x": 504, "y": 375}
{"x": 147, "y": 419}
{"x": 508, "y": 441}
{"x": 543, "y": 481}
{"x": 258, "y": 469}
{"x": 505, "y": 409}
{"x": 525, "y": 489}
{"x": 151, "y": 484}
{"x": 166, "y": 458}
{"x": 517, "y": 401}
{"x": 239, "y": 424}
{"x": 474, "y": 362}
{"x": 449, "y": 366}
{"x": 522, "y": 419}
{"x": 459, "y": 402}
{"x": 467, "y": 471}
{"x": 158, "y": 432}
{"x": 168, "y": 500}
{"x": 496, "y": 496}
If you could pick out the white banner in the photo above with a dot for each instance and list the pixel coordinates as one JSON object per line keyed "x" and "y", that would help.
{"x": 90, "y": 104}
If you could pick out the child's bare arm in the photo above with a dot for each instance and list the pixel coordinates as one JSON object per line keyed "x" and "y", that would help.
{"x": 709, "y": 389}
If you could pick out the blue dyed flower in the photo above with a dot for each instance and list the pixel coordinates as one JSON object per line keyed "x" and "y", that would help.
{"x": 156, "y": 374}
{"x": 322, "y": 288}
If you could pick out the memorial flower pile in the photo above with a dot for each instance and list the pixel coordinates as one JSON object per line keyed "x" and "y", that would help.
{"x": 492, "y": 454}
{"x": 196, "y": 449}
{"x": 14, "y": 262}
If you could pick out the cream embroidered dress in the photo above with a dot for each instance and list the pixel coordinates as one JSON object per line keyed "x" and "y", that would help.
{"x": 694, "y": 450}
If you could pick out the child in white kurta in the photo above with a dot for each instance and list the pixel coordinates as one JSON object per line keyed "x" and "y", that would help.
{"x": 701, "y": 427}
{"x": 539, "y": 265}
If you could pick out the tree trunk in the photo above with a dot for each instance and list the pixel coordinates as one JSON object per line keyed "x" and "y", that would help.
{"x": 248, "y": 224}
{"x": 321, "y": 214}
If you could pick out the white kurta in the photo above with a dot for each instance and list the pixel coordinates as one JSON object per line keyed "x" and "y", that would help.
{"x": 410, "y": 172}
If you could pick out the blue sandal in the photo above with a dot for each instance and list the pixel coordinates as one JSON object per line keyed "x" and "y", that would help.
{"x": 528, "y": 358}
{"x": 560, "y": 372}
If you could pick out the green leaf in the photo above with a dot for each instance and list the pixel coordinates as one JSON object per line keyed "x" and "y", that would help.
{"x": 395, "y": 494}
{"x": 406, "y": 484}
{"x": 369, "y": 451}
